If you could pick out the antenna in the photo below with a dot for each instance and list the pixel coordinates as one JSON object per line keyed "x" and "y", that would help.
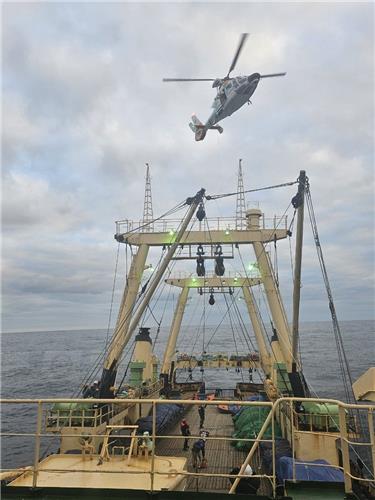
{"x": 240, "y": 203}
{"x": 148, "y": 214}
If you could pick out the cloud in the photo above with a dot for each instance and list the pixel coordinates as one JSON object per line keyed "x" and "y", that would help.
{"x": 84, "y": 108}
{"x": 31, "y": 202}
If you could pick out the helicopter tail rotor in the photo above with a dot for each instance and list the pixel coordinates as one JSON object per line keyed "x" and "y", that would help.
{"x": 198, "y": 128}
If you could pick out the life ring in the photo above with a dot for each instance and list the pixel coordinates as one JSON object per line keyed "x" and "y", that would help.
{"x": 85, "y": 439}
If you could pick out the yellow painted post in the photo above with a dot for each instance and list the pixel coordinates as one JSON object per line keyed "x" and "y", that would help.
{"x": 37, "y": 443}
{"x": 292, "y": 438}
{"x": 252, "y": 451}
{"x": 273, "y": 456}
{"x": 345, "y": 449}
{"x": 154, "y": 403}
{"x": 372, "y": 439}
{"x": 175, "y": 329}
{"x": 265, "y": 358}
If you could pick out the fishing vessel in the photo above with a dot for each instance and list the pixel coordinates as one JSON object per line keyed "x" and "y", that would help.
{"x": 268, "y": 436}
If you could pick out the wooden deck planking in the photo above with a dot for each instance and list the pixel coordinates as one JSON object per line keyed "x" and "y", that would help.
{"x": 221, "y": 456}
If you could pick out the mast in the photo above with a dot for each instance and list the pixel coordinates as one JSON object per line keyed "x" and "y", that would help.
{"x": 299, "y": 203}
{"x": 115, "y": 352}
{"x": 175, "y": 329}
{"x": 272, "y": 292}
{"x": 240, "y": 202}
{"x": 265, "y": 357}
{"x": 148, "y": 214}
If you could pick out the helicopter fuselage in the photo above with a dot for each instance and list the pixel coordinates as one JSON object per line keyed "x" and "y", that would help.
{"x": 232, "y": 93}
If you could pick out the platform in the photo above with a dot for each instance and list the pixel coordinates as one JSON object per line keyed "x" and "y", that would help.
{"x": 75, "y": 471}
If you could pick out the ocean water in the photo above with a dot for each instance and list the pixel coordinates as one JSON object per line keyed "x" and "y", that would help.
{"x": 54, "y": 364}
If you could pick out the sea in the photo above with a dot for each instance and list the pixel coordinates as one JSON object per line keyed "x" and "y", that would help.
{"x": 54, "y": 364}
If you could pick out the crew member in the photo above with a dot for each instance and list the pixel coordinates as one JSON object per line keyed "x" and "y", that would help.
{"x": 185, "y": 431}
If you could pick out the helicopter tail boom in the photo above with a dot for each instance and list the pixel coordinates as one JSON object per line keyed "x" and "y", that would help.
{"x": 200, "y": 130}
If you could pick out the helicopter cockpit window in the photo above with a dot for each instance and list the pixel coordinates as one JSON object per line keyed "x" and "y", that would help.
{"x": 235, "y": 84}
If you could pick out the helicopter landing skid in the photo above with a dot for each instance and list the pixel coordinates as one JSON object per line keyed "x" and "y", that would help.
{"x": 218, "y": 128}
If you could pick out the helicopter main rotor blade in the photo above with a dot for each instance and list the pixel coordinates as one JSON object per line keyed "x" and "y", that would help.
{"x": 188, "y": 79}
{"x": 272, "y": 75}
{"x": 239, "y": 48}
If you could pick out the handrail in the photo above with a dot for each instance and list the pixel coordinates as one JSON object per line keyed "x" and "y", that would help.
{"x": 213, "y": 223}
{"x": 270, "y": 420}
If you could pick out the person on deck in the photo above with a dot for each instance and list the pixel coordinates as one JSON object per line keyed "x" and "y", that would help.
{"x": 185, "y": 431}
{"x": 197, "y": 453}
{"x": 202, "y": 415}
{"x": 247, "y": 484}
{"x": 203, "y": 434}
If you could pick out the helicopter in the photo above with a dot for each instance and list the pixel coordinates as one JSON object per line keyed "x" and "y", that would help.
{"x": 232, "y": 94}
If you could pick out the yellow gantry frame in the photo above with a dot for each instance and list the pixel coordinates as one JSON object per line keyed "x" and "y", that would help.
{"x": 255, "y": 235}
{"x": 215, "y": 282}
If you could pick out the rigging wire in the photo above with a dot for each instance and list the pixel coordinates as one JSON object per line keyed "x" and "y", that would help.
{"x": 233, "y": 335}
{"x": 343, "y": 361}
{"x": 112, "y": 296}
{"x": 127, "y": 367}
{"x": 218, "y": 196}
{"x": 161, "y": 320}
{"x": 172, "y": 211}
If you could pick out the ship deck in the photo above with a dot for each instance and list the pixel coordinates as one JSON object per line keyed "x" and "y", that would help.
{"x": 77, "y": 471}
{"x": 221, "y": 456}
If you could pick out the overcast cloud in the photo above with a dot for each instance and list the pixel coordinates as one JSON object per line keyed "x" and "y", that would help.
{"x": 84, "y": 108}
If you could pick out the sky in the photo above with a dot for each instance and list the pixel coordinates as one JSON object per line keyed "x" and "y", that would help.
{"x": 84, "y": 109}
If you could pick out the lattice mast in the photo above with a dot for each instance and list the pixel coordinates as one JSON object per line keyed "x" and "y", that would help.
{"x": 240, "y": 203}
{"x": 148, "y": 214}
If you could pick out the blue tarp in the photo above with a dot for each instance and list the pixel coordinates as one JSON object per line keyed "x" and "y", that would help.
{"x": 166, "y": 414}
{"x": 307, "y": 472}
{"x": 282, "y": 449}
{"x": 234, "y": 409}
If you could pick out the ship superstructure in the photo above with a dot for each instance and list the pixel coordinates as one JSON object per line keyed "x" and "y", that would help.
{"x": 124, "y": 435}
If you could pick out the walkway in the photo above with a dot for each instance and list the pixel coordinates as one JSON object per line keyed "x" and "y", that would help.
{"x": 220, "y": 455}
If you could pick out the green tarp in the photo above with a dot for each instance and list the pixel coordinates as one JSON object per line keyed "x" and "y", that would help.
{"x": 247, "y": 424}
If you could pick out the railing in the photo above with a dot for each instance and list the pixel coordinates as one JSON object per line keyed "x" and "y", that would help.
{"x": 96, "y": 415}
{"x": 252, "y": 273}
{"x": 224, "y": 357}
{"x": 208, "y": 224}
{"x": 286, "y": 405}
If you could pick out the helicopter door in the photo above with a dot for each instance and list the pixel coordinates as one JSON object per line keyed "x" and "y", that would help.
{"x": 228, "y": 89}
{"x": 217, "y": 104}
